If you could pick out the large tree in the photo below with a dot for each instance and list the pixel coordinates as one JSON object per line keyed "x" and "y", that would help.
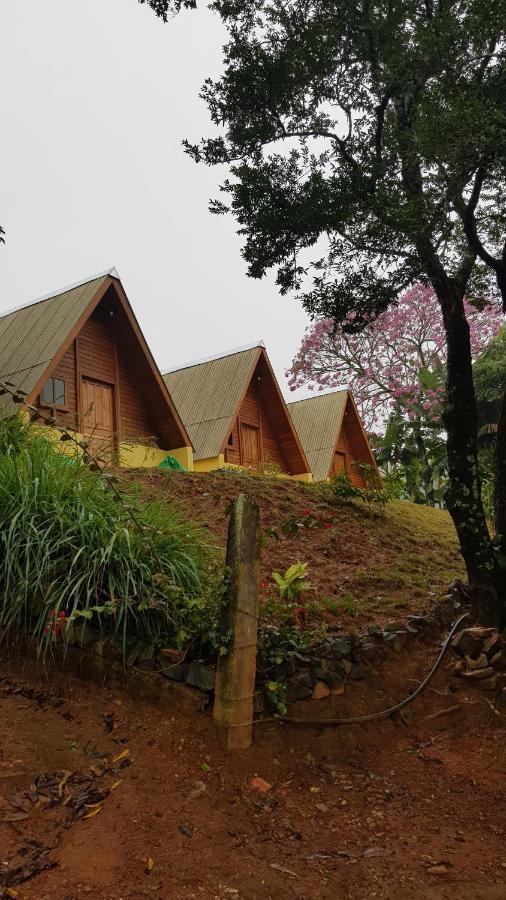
{"x": 374, "y": 133}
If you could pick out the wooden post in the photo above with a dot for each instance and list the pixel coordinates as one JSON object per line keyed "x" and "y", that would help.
{"x": 235, "y": 676}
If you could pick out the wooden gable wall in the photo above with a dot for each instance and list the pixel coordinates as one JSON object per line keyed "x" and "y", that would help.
{"x": 263, "y": 409}
{"x": 351, "y": 447}
{"x": 107, "y": 350}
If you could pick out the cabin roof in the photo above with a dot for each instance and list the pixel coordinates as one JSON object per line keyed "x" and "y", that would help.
{"x": 208, "y": 395}
{"x": 318, "y": 421}
{"x": 31, "y": 336}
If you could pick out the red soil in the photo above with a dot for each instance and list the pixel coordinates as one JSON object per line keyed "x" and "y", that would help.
{"x": 386, "y": 810}
{"x": 364, "y": 568}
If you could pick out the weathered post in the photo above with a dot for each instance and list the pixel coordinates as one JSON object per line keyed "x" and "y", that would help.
{"x": 235, "y": 676}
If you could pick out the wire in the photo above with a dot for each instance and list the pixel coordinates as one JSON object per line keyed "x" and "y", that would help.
{"x": 382, "y": 714}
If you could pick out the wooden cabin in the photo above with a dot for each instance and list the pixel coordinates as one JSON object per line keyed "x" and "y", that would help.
{"x": 235, "y": 414}
{"x": 81, "y": 357}
{"x": 333, "y": 437}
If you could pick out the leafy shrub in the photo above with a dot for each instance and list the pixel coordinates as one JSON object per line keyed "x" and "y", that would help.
{"x": 68, "y": 546}
{"x": 374, "y": 498}
{"x": 293, "y": 583}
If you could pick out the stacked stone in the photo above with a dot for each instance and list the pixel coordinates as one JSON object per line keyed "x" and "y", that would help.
{"x": 482, "y": 657}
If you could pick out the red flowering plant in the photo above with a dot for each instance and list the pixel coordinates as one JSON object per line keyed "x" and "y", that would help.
{"x": 56, "y": 623}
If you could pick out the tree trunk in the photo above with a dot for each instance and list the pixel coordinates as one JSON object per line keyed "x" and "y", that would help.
{"x": 464, "y": 493}
{"x": 500, "y": 468}
{"x": 426, "y": 471}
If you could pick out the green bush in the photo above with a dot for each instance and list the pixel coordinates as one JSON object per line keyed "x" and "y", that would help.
{"x": 373, "y": 497}
{"x": 70, "y": 550}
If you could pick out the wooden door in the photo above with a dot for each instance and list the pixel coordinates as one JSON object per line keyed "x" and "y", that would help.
{"x": 339, "y": 462}
{"x": 250, "y": 445}
{"x": 97, "y": 404}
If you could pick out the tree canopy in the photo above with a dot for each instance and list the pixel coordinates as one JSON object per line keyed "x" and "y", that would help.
{"x": 366, "y": 149}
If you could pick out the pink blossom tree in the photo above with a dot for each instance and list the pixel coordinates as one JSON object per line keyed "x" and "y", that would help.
{"x": 396, "y": 364}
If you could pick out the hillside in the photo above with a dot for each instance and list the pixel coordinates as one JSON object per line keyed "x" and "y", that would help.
{"x": 361, "y": 567}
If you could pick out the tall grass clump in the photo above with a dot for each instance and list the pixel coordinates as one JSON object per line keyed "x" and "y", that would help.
{"x": 71, "y": 553}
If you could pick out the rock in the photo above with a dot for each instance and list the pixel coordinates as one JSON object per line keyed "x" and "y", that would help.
{"x": 493, "y": 644}
{"x": 342, "y": 646}
{"x": 477, "y": 674}
{"x": 302, "y": 688}
{"x": 421, "y": 623}
{"x": 498, "y": 661}
{"x": 488, "y": 684}
{"x": 469, "y": 641}
{"x": 172, "y": 671}
{"x": 324, "y": 649}
{"x": 358, "y": 671}
{"x": 393, "y": 640}
{"x": 394, "y": 626}
{"x": 146, "y": 658}
{"x": 198, "y": 790}
{"x": 370, "y": 652}
{"x": 79, "y": 634}
{"x": 321, "y": 691}
{"x": 441, "y": 869}
{"x": 200, "y": 676}
{"x": 478, "y": 662}
{"x": 259, "y": 784}
{"x": 107, "y": 649}
{"x": 374, "y": 630}
{"x": 346, "y": 664}
{"x": 172, "y": 654}
{"x": 446, "y": 612}
{"x": 321, "y": 675}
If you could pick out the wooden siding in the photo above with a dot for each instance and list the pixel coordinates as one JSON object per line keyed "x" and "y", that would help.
{"x": 255, "y": 414}
{"x": 66, "y": 369}
{"x": 106, "y": 350}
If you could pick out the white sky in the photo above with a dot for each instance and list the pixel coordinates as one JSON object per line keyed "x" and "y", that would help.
{"x": 95, "y": 98}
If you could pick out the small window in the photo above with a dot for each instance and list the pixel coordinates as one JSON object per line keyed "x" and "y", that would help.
{"x": 53, "y": 392}
{"x": 231, "y": 441}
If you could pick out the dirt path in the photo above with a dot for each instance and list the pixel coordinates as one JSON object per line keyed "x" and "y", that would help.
{"x": 388, "y": 811}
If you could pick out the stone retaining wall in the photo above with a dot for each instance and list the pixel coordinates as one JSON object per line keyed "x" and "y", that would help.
{"x": 322, "y": 671}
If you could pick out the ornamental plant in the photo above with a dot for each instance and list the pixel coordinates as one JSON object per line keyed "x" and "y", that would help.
{"x": 397, "y": 364}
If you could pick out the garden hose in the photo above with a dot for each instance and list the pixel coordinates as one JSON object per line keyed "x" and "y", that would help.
{"x": 382, "y": 714}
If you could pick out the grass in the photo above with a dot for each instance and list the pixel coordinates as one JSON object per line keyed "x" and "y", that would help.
{"x": 70, "y": 551}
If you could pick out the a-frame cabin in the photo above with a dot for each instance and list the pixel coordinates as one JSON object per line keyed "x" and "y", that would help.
{"x": 81, "y": 357}
{"x": 235, "y": 414}
{"x": 333, "y": 436}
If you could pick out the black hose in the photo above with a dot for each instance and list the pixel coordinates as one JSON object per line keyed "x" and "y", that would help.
{"x": 382, "y": 714}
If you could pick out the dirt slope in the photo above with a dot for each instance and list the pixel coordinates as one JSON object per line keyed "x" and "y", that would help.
{"x": 388, "y": 810}
{"x": 361, "y": 567}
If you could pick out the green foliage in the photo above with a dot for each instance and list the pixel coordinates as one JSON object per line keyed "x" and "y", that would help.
{"x": 489, "y": 372}
{"x": 374, "y": 499}
{"x": 293, "y": 583}
{"x": 412, "y": 456}
{"x": 67, "y": 546}
{"x": 276, "y": 696}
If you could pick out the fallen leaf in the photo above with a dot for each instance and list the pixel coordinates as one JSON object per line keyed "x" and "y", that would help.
{"x": 94, "y": 812}
{"x": 14, "y": 817}
{"x": 149, "y": 865}
{"x": 122, "y": 755}
{"x": 285, "y": 871}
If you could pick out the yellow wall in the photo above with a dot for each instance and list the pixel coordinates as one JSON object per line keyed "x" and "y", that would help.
{"x": 139, "y": 456}
{"x": 130, "y": 455}
{"x": 212, "y": 462}
{"x": 304, "y": 476}
{"x": 218, "y": 462}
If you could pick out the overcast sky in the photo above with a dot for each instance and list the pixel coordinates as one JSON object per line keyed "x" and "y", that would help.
{"x": 95, "y": 98}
